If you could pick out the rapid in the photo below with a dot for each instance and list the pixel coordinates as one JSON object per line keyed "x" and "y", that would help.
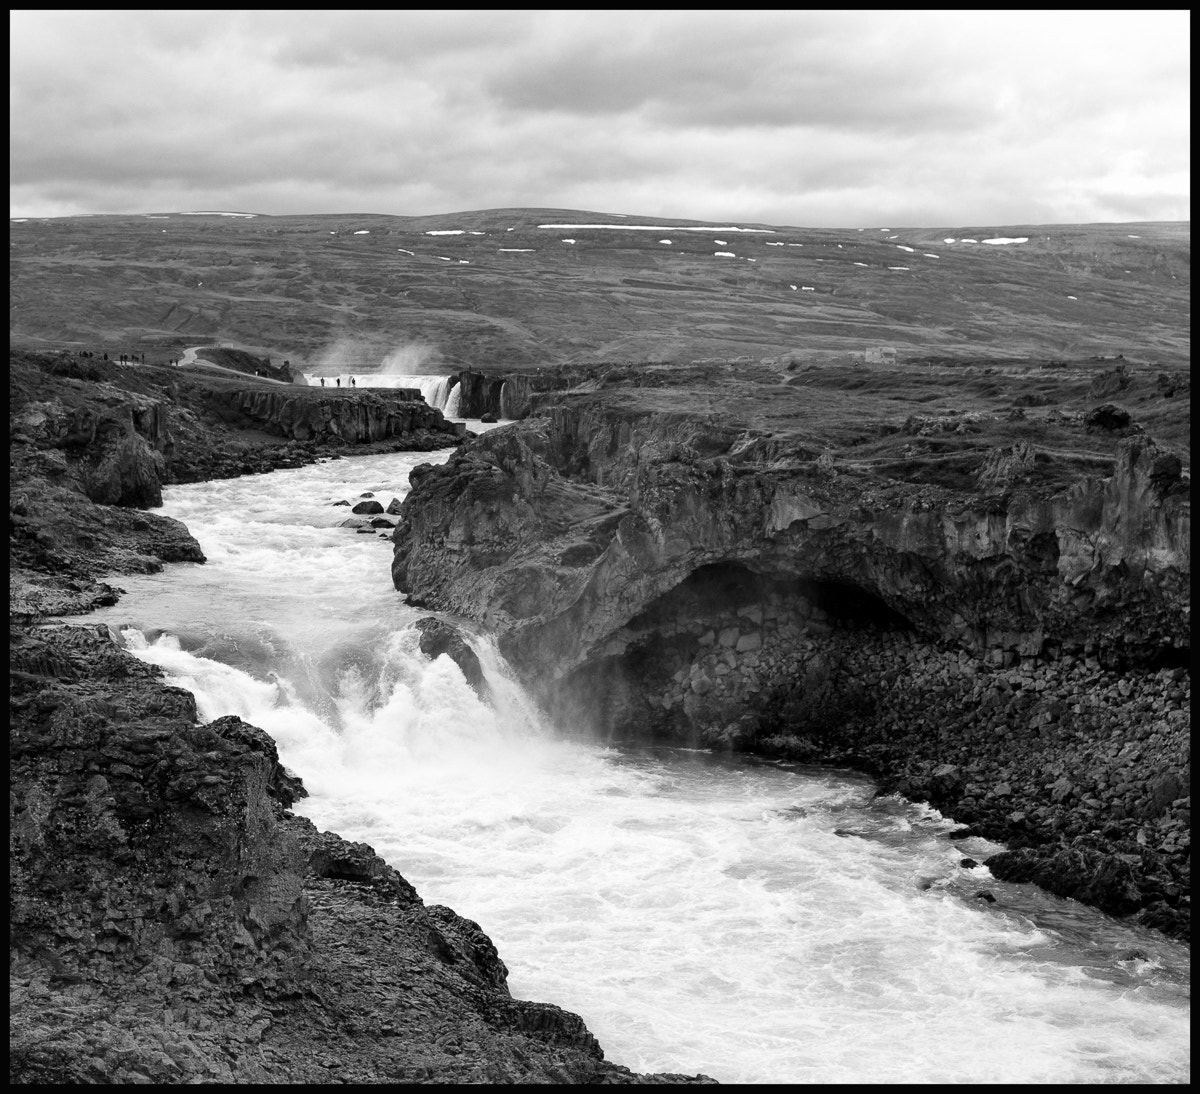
{"x": 756, "y": 922}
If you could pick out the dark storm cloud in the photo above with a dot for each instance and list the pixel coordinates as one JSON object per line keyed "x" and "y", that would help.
{"x": 792, "y": 117}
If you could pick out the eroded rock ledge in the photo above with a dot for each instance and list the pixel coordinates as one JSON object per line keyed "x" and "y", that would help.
{"x": 666, "y": 576}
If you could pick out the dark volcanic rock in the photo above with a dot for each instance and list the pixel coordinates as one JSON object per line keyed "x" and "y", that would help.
{"x": 130, "y": 473}
{"x": 1103, "y": 880}
{"x": 358, "y": 417}
{"x": 1109, "y": 417}
{"x": 557, "y": 533}
{"x": 660, "y": 576}
{"x": 438, "y": 637}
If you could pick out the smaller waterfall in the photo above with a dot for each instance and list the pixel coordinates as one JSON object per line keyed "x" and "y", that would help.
{"x": 441, "y": 392}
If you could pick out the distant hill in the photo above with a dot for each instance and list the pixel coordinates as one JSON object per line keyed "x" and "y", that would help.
{"x": 532, "y": 287}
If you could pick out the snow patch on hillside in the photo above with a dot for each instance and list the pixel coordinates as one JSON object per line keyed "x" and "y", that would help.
{"x": 656, "y": 228}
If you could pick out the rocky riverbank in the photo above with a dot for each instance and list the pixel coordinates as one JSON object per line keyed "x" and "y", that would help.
{"x": 1081, "y": 771}
{"x": 1014, "y": 649}
{"x": 171, "y": 920}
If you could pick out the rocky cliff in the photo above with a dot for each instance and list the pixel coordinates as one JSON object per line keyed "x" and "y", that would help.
{"x": 350, "y": 418}
{"x": 557, "y": 534}
{"x": 510, "y": 393}
{"x": 670, "y": 575}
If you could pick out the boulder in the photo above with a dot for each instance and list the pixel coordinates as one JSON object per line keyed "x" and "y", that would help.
{"x": 130, "y": 474}
{"x": 1093, "y": 876}
{"x": 1108, "y": 417}
{"x": 438, "y": 637}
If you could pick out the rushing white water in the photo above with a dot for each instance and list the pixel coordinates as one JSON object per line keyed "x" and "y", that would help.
{"x": 753, "y": 921}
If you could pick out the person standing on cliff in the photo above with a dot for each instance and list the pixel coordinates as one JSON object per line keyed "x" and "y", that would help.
{"x": 353, "y": 382}
{"x": 339, "y": 381}
{"x": 322, "y": 381}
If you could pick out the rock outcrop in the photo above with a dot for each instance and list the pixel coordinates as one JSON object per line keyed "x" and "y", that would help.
{"x": 555, "y": 535}
{"x": 711, "y": 584}
{"x": 511, "y": 394}
{"x": 438, "y": 637}
{"x": 350, "y": 418}
{"x": 117, "y": 435}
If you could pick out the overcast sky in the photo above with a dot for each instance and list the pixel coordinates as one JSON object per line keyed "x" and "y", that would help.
{"x": 836, "y": 119}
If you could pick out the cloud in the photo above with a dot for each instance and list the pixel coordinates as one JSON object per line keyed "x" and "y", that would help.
{"x": 788, "y": 117}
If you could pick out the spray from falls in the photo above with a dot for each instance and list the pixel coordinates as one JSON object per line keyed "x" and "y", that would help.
{"x": 344, "y": 364}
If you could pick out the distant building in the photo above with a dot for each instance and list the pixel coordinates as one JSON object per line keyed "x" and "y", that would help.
{"x": 881, "y": 355}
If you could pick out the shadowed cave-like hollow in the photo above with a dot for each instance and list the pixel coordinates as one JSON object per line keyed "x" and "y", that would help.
{"x": 725, "y": 656}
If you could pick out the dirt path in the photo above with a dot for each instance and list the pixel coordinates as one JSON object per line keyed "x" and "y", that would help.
{"x": 191, "y": 360}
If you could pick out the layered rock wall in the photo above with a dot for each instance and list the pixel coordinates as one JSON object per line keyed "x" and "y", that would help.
{"x": 558, "y": 533}
{"x": 358, "y": 418}
{"x": 114, "y": 446}
{"x": 480, "y": 394}
{"x": 514, "y": 395}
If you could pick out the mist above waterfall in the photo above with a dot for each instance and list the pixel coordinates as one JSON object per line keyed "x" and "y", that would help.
{"x": 373, "y": 356}
{"x": 362, "y": 363}
{"x": 410, "y": 359}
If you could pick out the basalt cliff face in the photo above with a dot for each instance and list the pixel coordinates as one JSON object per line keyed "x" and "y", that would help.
{"x": 1015, "y": 653}
{"x": 559, "y": 534}
{"x": 357, "y": 418}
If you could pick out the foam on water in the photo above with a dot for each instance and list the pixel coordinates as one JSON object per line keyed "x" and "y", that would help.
{"x": 758, "y": 922}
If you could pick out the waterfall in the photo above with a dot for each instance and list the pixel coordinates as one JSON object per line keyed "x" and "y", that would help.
{"x": 364, "y": 717}
{"x": 437, "y": 391}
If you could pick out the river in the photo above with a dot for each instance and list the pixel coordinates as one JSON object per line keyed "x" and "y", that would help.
{"x": 757, "y": 922}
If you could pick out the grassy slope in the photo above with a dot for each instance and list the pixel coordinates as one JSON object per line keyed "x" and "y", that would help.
{"x": 306, "y": 287}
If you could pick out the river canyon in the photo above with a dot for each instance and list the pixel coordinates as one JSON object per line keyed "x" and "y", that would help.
{"x": 759, "y": 922}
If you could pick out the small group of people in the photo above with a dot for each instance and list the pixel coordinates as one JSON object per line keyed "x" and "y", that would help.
{"x": 338, "y": 381}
